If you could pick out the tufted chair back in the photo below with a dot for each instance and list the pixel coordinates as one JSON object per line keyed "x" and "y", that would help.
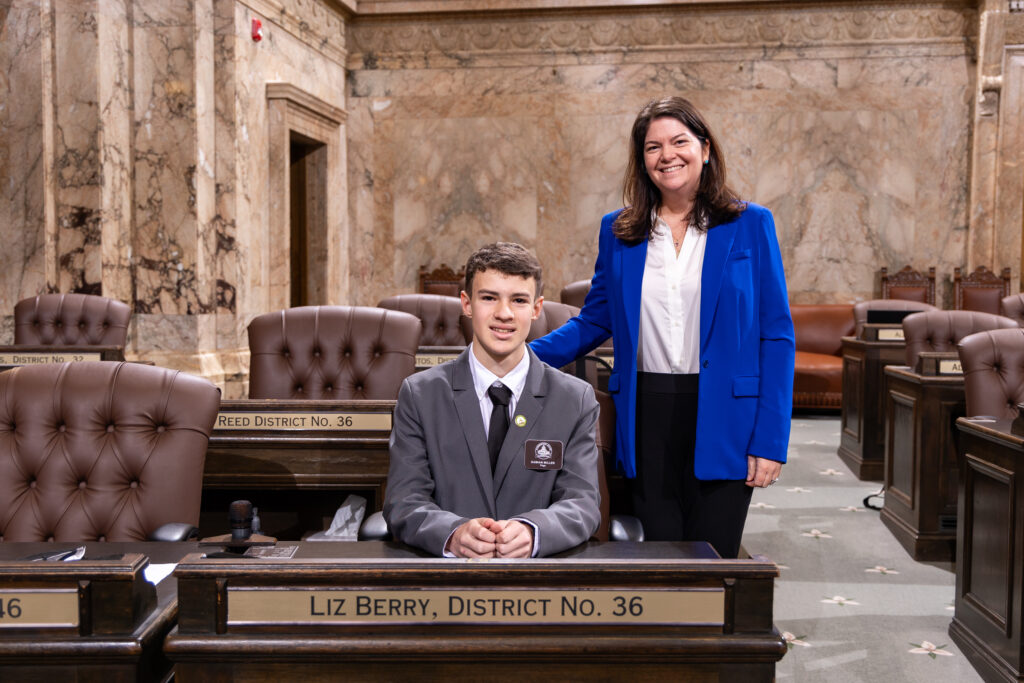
{"x": 71, "y": 320}
{"x": 575, "y": 293}
{"x": 861, "y": 308}
{"x": 552, "y": 316}
{"x": 331, "y": 352}
{"x": 101, "y": 451}
{"x": 993, "y": 363}
{"x": 943, "y": 330}
{"x": 1013, "y": 307}
{"x": 439, "y": 315}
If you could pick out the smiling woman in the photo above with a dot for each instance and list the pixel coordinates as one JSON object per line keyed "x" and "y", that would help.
{"x": 702, "y": 391}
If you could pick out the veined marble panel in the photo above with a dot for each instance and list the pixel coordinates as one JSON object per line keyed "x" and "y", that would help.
{"x": 22, "y": 212}
{"x": 863, "y": 165}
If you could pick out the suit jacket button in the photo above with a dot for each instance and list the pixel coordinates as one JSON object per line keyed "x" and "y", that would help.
{"x": 705, "y": 363}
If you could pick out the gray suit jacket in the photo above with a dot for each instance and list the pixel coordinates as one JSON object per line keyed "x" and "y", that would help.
{"x": 440, "y": 473}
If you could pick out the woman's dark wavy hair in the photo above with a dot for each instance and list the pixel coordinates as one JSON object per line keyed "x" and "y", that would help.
{"x": 715, "y": 203}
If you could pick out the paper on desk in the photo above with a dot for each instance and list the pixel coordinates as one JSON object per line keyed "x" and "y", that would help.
{"x": 155, "y": 573}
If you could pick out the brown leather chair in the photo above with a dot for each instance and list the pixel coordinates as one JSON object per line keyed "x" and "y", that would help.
{"x": 331, "y": 352}
{"x": 575, "y": 293}
{"x": 982, "y": 290}
{"x": 861, "y": 308}
{"x": 993, "y": 363}
{"x": 818, "y": 368}
{"x": 943, "y": 330}
{"x": 1013, "y": 307}
{"x": 101, "y": 451}
{"x": 442, "y": 280}
{"x": 439, "y": 315}
{"x": 71, "y": 320}
{"x": 909, "y": 285}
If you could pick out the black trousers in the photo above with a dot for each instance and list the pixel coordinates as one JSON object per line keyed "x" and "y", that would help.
{"x": 670, "y": 501}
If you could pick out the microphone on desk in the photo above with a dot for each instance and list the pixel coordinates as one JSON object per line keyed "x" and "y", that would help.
{"x": 240, "y": 515}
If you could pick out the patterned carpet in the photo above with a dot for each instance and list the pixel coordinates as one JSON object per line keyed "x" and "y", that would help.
{"x": 853, "y": 604}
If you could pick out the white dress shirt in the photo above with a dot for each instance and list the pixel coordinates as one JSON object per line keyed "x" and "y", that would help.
{"x": 483, "y": 378}
{"x": 514, "y": 379}
{"x": 670, "y": 302}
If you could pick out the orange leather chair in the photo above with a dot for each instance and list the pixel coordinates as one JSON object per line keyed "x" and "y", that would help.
{"x": 101, "y": 451}
{"x": 71, "y": 320}
{"x": 438, "y": 314}
{"x": 818, "y": 368}
{"x": 993, "y": 363}
{"x": 331, "y": 352}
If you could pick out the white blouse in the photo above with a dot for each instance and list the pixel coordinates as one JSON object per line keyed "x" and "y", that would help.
{"x": 670, "y": 302}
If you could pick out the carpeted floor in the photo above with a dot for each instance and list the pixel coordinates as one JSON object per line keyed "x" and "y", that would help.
{"x": 855, "y": 605}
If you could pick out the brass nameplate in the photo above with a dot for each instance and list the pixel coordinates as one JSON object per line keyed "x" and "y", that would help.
{"x": 304, "y": 422}
{"x": 55, "y": 608}
{"x": 891, "y": 334}
{"x": 45, "y": 357}
{"x": 253, "y": 606}
{"x": 429, "y": 360}
{"x": 950, "y": 367}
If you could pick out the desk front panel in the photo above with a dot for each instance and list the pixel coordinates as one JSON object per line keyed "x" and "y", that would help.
{"x": 640, "y": 609}
{"x": 296, "y": 461}
{"x": 862, "y": 417}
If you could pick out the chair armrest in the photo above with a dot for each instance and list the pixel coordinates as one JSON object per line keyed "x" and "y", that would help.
{"x": 174, "y": 531}
{"x": 625, "y": 528}
{"x": 374, "y": 528}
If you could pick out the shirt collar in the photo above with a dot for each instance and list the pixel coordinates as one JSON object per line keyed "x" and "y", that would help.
{"x": 484, "y": 378}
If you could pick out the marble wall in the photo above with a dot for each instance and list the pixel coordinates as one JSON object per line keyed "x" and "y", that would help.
{"x": 143, "y": 143}
{"x": 134, "y": 143}
{"x": 852, "y": 122}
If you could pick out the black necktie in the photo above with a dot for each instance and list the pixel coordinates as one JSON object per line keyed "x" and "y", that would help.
{"x": 500, "y": 396}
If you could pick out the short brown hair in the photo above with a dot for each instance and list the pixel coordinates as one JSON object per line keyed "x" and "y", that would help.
{"x": 715, "y": 203}
{"x": 508, "y": 258}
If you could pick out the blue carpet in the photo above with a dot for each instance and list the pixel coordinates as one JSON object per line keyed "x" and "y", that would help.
{"x": 855, "y": 605}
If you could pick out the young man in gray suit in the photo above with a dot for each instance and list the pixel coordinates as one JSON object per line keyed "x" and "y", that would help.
{"x": 493, "y": 453}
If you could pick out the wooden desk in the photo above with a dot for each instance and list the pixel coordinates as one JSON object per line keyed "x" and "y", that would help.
{"x": 989, "y": 601}
{"x": 920, "y": 460}
{"x": 862, "y": 433}
{"x": 374, "y": 611}
{"x": 118, "y": 637}
{"x": 297, "y": 473}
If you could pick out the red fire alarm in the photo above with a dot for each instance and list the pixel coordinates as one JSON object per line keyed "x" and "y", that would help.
{"x": 257, "y": 30}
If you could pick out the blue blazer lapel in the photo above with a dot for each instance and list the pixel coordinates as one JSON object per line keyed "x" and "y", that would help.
{"x": 633, "y": 259}
{"x": 716, "y": 251}
{"x": 468, "y": 408}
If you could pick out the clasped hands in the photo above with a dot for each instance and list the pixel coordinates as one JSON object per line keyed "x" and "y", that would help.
{"x": 485, "y": 537}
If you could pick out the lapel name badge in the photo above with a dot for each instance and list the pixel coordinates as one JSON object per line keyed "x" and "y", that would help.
{"x": 543, "y": 454}
{"x": 520, "y": 420}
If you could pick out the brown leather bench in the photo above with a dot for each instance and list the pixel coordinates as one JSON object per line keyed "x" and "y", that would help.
{"x": 818, "y": 376}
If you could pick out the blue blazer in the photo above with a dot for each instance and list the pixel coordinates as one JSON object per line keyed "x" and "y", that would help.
{"x": 747, "y": 345}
